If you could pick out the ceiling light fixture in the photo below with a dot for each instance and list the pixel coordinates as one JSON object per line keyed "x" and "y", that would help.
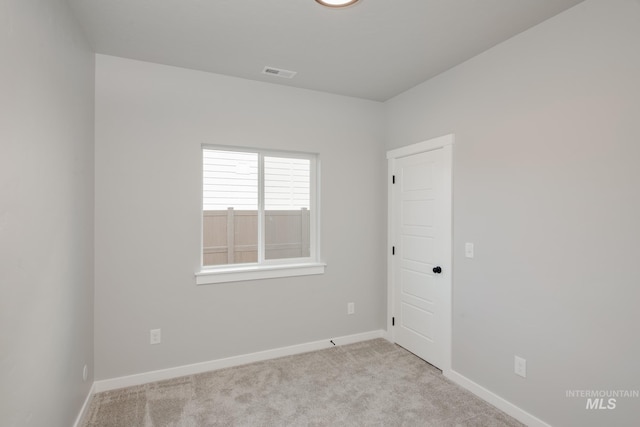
{"x": 337, "y": 3}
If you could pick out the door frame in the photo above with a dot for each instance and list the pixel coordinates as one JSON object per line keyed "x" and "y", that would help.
{"x": 446, "y": 144}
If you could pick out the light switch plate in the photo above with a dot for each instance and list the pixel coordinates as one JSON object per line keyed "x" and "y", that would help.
{"x": 468, "y": 250}
{"x": 351, "y": 308}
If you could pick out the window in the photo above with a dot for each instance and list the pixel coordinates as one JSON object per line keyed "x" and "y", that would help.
{"x": 259, "y": 215}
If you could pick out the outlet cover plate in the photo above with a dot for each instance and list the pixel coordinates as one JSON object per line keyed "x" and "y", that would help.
{"x": 520, "y": 366}
{"x": 155, "y": 336}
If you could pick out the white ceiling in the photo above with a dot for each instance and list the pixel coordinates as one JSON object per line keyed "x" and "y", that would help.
{"x": 375, "y": 49}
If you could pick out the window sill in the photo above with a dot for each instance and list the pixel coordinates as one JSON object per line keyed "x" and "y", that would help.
{"x": 256, "y": 272}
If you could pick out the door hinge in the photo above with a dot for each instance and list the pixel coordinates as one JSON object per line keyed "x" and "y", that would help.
{"x": 393, "y": 179}
{"x": 393, "y": 321}
{"x": 393, "y": 250}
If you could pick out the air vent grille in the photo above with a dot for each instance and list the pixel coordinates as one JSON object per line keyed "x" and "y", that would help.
{"x": 272, "y": 71}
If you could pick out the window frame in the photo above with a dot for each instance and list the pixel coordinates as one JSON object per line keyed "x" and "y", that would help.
{"x": 264, "y": 268}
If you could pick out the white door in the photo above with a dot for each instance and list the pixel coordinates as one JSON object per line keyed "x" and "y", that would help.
{"x": 420, "y": 276}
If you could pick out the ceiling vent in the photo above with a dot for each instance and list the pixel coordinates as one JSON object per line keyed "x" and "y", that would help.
{"x": 271, "y": 71}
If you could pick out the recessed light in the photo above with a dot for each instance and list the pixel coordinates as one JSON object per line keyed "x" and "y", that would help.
{"x": 337, "y": 3}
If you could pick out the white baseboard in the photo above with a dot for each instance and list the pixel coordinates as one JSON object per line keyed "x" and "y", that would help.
{"x": 197, "y": 368}
{"x": 497, "y": 401}
{"x": 85, "y": 406}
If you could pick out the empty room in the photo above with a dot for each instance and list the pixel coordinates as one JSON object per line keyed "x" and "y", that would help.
{"x": 319, "y": 212}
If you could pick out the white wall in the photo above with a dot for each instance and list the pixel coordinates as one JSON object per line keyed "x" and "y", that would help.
{"x": 150, "y": 123}
{"x": 546, "y": 184}
{"x": 46, "y": 214}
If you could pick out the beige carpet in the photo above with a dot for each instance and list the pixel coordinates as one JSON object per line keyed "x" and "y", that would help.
{"x": 373, "y": 383}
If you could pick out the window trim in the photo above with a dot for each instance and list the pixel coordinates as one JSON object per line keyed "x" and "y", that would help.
{"x": 245, "y": 272}
{"x": 265, "y": 269}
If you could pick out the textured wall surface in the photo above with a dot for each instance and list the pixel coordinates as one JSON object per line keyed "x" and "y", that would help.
{"x": 150, "y": 123}
{"x": 46, "y": 214}
{"x": 546, "y": 185}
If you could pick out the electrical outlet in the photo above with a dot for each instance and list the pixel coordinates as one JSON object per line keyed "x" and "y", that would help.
{"x": 520, "y": 366}
{"x": 351, "y": 308}
{"x": 155, "y": 336}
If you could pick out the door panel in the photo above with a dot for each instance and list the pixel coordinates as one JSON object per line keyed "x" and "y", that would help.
{"x": 417, "y": 213}
{"x": 418, "y": 320}
{"x": 418, "y": 210}
{"x": 418, "y": 285}
{"x": 417, "y": 249}
{"x": 417, "y": 177}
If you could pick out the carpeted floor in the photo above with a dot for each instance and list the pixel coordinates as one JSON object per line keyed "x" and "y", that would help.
{"x": 373, "y": 383}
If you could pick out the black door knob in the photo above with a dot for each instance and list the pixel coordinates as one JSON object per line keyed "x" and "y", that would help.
{"x": 437, "y": 270}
